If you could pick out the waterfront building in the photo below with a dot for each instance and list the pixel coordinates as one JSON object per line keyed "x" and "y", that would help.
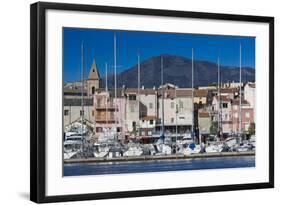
{"x": 204, "y": 122}
{"x": 73, "y": 111}
{"x": 132, "y": 114}
{"x": 147, "y": 125}
{"x": 231, "y": 93}
{"x": 201, "y": 96}
{"x": 249, "y": 93}
{"x": 232, "y": 84}
{"x": 178, "y": 110}
{"x": 141, "y": 107}
{"x": 109, "y": 113}
{"x": 80, "y": 92}
{"x": 222, "y": 113}
{"x": 247, "y": 115}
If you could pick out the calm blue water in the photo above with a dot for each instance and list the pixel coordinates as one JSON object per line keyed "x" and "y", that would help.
{"x": 158, "y": 166}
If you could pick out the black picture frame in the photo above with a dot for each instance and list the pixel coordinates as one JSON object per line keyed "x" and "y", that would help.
{"x": 38, "y": 101}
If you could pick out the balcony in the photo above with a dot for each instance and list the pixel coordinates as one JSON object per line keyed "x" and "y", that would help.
{"x": 108, "y": 106}
{"x": 103, "y": 119}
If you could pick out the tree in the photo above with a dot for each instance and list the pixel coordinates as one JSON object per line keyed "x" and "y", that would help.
{"x": 214, "y": 128}
{"x": 252, "y": 129}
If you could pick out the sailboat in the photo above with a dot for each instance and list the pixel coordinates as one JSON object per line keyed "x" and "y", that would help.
{"x": 163, "y": 144}
{"x": 75, "y": 139}
{"x": 188, "y": 140}
{"x": 135, "y": 149}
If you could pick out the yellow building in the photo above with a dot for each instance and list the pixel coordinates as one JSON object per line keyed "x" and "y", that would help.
{"x": 200, "y": 96}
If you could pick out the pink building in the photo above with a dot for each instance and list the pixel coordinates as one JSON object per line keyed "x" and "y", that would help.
{"x": 109, "y": 112}
{"x": 247, "y": 115}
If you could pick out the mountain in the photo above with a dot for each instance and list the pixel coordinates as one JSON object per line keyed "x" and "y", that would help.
{"x": 177, "y": 70}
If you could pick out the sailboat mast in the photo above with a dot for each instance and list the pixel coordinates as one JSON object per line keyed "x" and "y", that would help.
{"x": 82, "y": 93}
{"x": 240, "y": 92}
{"x": 192, "y": 85}
{"x": 219, "y": 98}
{"x": 115, "y": 82}
{"x": 82, "y": 80}
{"x": 162, "y": 83}
{"x": 176, "y": 105}
{"x": 106, "y": 90}
{"x": 139, "y": 90}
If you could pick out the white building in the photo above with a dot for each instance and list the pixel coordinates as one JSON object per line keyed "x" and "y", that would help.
{"x": 178, "y": 113}
{"x": 249, "y": 93}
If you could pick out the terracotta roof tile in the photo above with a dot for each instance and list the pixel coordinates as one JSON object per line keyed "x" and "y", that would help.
{"x": 201, "y": 93}
{"x": 203, "y": 114}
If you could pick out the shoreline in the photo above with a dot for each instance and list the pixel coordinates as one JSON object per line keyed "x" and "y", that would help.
{"x": 163, "y": 157}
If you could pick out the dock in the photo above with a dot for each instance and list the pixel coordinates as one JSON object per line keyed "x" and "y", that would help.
{"x": 158, "y": 157}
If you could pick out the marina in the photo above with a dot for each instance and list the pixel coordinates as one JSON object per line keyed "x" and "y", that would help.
{"x": 157, "y": 126}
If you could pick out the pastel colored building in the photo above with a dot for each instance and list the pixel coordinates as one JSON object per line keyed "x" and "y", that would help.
{"x": 247, "y": 115}
{"x": 249, "y": 93}
{"x": 109, "y": 112}
{"x": 78, "y": 98}
{"x": 222, "y": 112}
{"x": 177, "y": 110}
{"x": 204, "y": 122}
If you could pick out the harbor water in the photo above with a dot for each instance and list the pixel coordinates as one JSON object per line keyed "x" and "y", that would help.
{"x": 77, "y": 169}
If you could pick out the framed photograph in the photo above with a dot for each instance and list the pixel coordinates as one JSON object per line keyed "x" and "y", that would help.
{"x": 130, "y": 102}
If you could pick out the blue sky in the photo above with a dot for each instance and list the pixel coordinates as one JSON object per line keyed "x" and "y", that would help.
{"x": 99, "y": 44}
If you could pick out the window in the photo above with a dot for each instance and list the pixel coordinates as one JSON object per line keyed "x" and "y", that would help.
{"x": 172, "y": 120}
{"x": 151, "y": 105}
{"x": 98, "y": 129}
{"x": 236, "y": 115}
{"x": 235, "y": 107}
{"x": 224, "y": 105}
{"x": 247, "y": 115}
{"x": 81, "y": 112}
{"x": 93, "y": 90}
{"x": 225, "y": 116}
{"x": 98, "y": 102}
{"x": 132, "y": 108}
{"x": 151, "y": 122}
{"x": 172, "y": 105}
{"x": 112, "y": 115}
{"x": 181, "y": 104}
{"x": 134, "y": 124}
{"x": 93, "y": 113}
{"x": 66, "y": 112}
{"x": 132, "y": 97}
